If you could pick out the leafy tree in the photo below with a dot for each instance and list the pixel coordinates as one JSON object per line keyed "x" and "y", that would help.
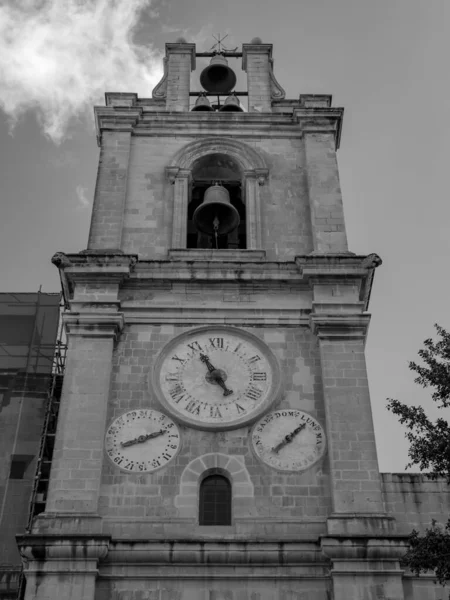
{"x": 430, "y": 450}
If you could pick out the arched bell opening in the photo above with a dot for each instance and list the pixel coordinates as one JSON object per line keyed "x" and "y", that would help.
{"x": 209, "y": 170}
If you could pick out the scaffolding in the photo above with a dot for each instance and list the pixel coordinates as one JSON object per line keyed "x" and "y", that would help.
{"x": 32, "y": 361}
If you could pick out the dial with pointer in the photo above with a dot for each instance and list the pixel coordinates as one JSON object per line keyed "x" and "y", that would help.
{"x": 215, "y": 377}
{"x": 142, "y": 438}
{"x": 142, "y": 441}
{"x": 289, "y": 440}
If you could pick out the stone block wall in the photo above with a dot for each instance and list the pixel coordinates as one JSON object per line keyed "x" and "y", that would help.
{"x": 285, "y": 212}
{"x": 159, "y": 497}
{"x": 414, "y": 500}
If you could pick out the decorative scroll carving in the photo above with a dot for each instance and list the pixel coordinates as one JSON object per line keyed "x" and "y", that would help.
{"x": 160, "y": 89}
{"x": 276, "y": 91}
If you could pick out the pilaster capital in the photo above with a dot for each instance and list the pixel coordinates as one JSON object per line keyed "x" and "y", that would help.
{"x": 181, "y": 48}
{"x": 173, "y": 173}
{"x": 93, "y": 325}
{"x": 334, "y": 327}
{"x": 122, "y": 119}
{"x": 261, "y": 175}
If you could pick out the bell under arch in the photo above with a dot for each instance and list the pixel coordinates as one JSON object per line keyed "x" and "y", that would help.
{"x": 235, "y": 165}
{"x": 207, "y": 171}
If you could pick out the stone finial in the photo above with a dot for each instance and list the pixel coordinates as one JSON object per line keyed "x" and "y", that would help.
{"x": 180, "y": 40}
{"x": 256, "y": 40}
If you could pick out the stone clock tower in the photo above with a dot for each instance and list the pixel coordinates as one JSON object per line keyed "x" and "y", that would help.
{"x": 215, "y": 438}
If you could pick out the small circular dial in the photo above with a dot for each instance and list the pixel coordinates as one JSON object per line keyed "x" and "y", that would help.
{"x": 142, "y": 441}
{"x": 216, "y": 378}
{"x": 289, "y": 440}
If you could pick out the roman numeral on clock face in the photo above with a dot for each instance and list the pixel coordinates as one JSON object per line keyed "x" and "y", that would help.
{"x": 193, "y": 407}
{"x": 253, "y": 393}
{"x": 259, "y": 376}
{"x": 216, "y": 342}
{"x": 254, "y": 359}
{"x": 195, "y": 346}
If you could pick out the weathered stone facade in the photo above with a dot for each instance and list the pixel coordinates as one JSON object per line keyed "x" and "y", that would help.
{"x": 329, "y": 531}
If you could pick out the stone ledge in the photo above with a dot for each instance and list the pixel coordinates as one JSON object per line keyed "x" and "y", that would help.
{"x": 221, "y": 256}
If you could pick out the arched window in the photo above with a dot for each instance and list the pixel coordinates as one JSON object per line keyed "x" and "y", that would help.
{"x": 215, "y": 501}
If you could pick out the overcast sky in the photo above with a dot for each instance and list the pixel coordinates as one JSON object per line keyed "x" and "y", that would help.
{"x": 384, "y": 61}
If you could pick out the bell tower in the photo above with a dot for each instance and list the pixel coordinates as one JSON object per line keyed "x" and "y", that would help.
{"x": 215, "y": 438}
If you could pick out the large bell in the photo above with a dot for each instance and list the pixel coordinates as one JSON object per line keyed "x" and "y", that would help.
{"x": 216, "y": 215}
{"x": 202, "y": 103}
{"x": 231, "y": 104}
{"x": 217, "y": 77}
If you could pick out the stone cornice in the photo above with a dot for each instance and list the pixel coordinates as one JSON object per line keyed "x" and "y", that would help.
{"x": 89, "y": 267}
{"x": 148, "y": 122}
{"x": 36, "y": 547}
{"x": 364, "y": 548}
{"x": 218, "y": 552}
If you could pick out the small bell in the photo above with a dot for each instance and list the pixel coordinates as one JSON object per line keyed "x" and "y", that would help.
{"x": 217, "y": 77}
{"x": 202, "y": 104}
{"x": 216, "y": 215}
{"x": 231, "y": 104}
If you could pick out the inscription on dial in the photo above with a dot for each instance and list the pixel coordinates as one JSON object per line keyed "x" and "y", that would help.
{"x": 216, "y": 376}
{"x": 142, "y": 441}
{"x": 289, "y": 440}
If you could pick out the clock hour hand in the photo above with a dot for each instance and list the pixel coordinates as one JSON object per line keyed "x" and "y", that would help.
{"x": 215, "y": 375}
{"x": 288, "y": 438}
{"x": 143, "y": 438}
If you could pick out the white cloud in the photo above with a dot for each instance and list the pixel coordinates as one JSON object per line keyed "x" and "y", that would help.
{"x": 83, "y": 202}
{"x": 58, "y": 57}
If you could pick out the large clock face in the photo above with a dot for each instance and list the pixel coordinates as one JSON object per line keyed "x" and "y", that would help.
{"x": 216, "y": 378}
{"x": 289, "y": 440}
{"x": 142, "y": 441}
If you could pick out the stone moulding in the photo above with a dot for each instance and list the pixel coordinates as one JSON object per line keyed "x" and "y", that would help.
{"x": 35, "y": 547}
{"x": 214, "y": 552}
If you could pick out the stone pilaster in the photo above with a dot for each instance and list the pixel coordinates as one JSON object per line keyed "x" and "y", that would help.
{"x": 78, "y": 455}
{"x": 256, "y": 61}
{"x": 357, "y": 496}
{"x": 91, "y": 284}
{"x": 324, "y": 191}
{"x": 110, "y": 191}
{"x": 180, "y": 61}
{"x": 181, "y": 184}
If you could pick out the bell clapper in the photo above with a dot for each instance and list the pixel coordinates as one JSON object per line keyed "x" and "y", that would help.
{"x": 216, "y": 224}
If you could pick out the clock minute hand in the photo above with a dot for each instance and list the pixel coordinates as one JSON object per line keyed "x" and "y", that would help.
{"x": 288, "y": 438}
{"x": 215, "y": 374}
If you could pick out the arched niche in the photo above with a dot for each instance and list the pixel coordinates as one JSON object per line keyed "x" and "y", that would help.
{"x": 239, "y": 158}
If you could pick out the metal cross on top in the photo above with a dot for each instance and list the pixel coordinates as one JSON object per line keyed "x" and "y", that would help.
{"x": 218, "y": 47}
